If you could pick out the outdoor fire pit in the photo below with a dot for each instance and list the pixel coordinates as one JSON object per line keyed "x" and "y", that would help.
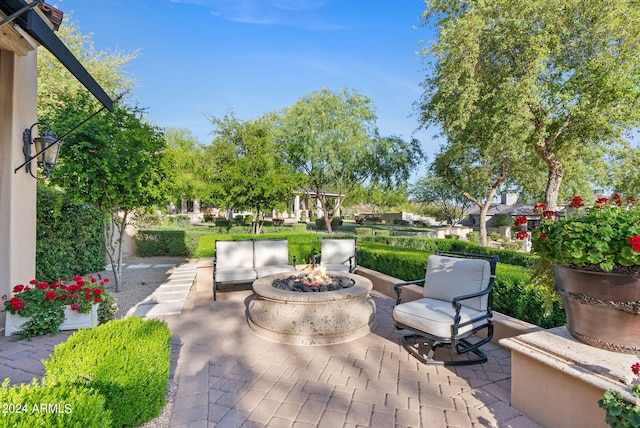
{"x": 314, "y": 317}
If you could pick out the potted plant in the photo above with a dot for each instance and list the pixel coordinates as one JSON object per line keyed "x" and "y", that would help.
{"x": 595, "y": 252}
{"x": 43, "y": 308}
{"x": 621, "y": 413}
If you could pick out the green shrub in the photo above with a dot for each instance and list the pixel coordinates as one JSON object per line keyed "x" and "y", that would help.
{"x": 161, "y": 243}
{"x": 502, "y": 220}
{"x": 35, "y": 406}
{"x": 224, "y": 223}
{"x": 278, "y": 222}
{"x": 474, "y": 237}
{"x": 68, "y": 237}
{"x": 299, "y": 227}
{"x": 108, "y": 308}
{"x": 362, "y": 231}
{"x": 126, "y": 361}
{"x": 402, "y": 263}
{"x": 335, "y": 223}
{"x": 494, "y": 236}
{"x": 452, "y": 237}
{"x": 183, "y": 220}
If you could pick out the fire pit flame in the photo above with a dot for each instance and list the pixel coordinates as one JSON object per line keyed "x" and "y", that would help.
{"x": 316, "y": 276}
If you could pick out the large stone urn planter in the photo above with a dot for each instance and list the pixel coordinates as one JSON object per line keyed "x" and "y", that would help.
{"x": 603, "y": 309}
{"x": 73, "y": 320}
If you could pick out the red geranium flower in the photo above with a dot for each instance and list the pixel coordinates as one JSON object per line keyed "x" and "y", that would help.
{"x": 33, "y": 282}
{"x": 541, "y": 206}
{"x": 16, "y": 303}
{"x": 635, "y": 368}
{"x": 75, "y": 306}
{"x": 97, "y": 291}
{"x": 635, "y": 243}
{"x": 18, "y": 288}
{"x": 602, "y": 201}
{"x": 43, "y": 285}
{"x": 549, "y": 215}
{"x": 88, "y": 297}
{"x": 522, "y": 235}
{"x": 542, "y": 235}
{"x": 97, "y": 300}
{"x": 617, "y": 199}
{"x": 521, "y": 220}
{"x": 50, "y": 295}
{"x": 576, "y": 202}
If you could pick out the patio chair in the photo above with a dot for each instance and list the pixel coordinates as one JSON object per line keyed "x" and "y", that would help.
{"x": 233, "y": 263}
{"x": 338, "y": 255}
{"x": 271, "y": 256}
{"x": 458, "y": 295}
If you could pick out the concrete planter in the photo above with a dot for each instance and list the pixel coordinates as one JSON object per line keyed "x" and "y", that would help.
{"x": 72, "y": 320}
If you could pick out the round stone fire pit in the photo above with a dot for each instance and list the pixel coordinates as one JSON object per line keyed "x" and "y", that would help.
{"x": 313, "y": 318}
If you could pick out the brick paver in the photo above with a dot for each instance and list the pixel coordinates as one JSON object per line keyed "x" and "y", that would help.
{"x": 229, "y": 377}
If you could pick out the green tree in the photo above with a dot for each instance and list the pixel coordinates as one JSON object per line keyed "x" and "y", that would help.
{"x": 115, "y": 162}
{"x": 56, "y": 83}
{"x": 560, "y": 78}
{"x": 452, "y": 204}
{"x": 248, "y": 170}
{"x": 188, "y": 163}
{"x": 332, "y": 139}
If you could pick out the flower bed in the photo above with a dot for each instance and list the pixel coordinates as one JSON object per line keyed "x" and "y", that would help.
{"x": 39, "y": 308}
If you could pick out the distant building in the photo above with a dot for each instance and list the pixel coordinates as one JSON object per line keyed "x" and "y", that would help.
{"x": 509, "y": 206}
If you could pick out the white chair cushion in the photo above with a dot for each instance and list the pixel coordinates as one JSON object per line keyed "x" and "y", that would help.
{"x": 237, "y": 275}
{"x": 270, "y": 252}
{"x": 272, "y": 270}
{"x": 336, "y": 268}
{"x": 449, "y": 277}
{"x": 234, "y": 254}
{"x": 434, "y": 317}
{"x": 337, "y": 251}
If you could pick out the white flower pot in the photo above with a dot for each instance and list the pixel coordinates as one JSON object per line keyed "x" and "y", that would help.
{"x": 72, "y": 320}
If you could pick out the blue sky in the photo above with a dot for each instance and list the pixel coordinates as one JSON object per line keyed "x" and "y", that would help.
{"x": 257, "y": 56}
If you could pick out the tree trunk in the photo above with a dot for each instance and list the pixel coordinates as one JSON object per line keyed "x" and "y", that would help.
{"x": 556, "y": 173}
{"x": 113, "y": 231}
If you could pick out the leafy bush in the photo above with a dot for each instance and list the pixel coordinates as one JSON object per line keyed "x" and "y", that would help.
{"x": 126, "y": 361}
{"x": 161, "y": 243}
{"x": 32, "y": 405}
{"x": 278, "y": 222}
{"x": 402, "y": 263}
{"x": 183, "y": 220}
{"x": 362, "y": 231}
{"x": 474, "y": 237}
{"x": 68, "y": 237}
{"x": 494, "y": 236}
{"x": 335, "y": 223}
{"x": 383, "y": 232}
{"x": 108, "y": 308}
{"x": 502, "y": 220}
{"x": 453, "y": 237}
{"x": 299, "y": 227}
{"x": 223, "y": 222}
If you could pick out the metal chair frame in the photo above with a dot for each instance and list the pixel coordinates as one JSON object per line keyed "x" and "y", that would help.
{"x": 457, "y": 341}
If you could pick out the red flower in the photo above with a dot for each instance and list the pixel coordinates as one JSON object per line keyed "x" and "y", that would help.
{"x": 86, "y": 290}
{"x": 43, "y": 285}
{"x": 631, "y": 199}
{"x": 617, "y": 199}
{"x": 602, "y": 201}
{"x": 635, "y": 368}
{"x": 97, "y": 291}
{"x": 635, "y": 243}
{"x": 33, "y": 282}
{"x": 542, "y": 235}
{"x": 18, "y": 288}
{"x": 541, "y": 206}
{"x": 16, "y": 303}
{"x": 92, "y": 279}
{"x": 88, "y": 297}
{"x": 75, "y": 306}
{"x": 104, "y": 281}
{"x": 97, "y": 300}
{"x": 77, "y": 278}
{"x": 80, "y": 282}
{"x": 522, "y": 235}
{"x": 549, "y": 215}
{"x": 50, "y": 295}
{"x": 576, "y": 202}
{"x": 63, "y": 297}
{"x": 520, "y": 221}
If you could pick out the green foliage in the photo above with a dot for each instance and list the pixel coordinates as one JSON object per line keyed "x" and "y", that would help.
{"x": 68, "y": 237}
{"x": 494, "y": 236}
{"x": 501, "y": 220}
{"x": 402, "y": 263}
{"x": 161, "y": 243}
{"x": 183, "y": 220}
{"x": 449, "y": 202}
{"x": 599, "y": 236}
{"x": 453, "y": 237}
{"x": 474, "y": 237}
{"x": 126, "y": 361}
{"x": 108, "y": 308}
{"x": 299, "y": 227}
{"x": 383, "y": 232}
{"x": 46, "y": 321}
{"x": 35, "y": 406}
{"x": 362, "y": 231}
{"x": 321, "y": 224}
{"x": 620, "y": 413}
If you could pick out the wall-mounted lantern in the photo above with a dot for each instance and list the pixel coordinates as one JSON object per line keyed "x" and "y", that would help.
{"x": 46, "y": 148}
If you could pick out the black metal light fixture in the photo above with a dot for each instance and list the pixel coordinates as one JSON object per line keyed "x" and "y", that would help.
{"x": 47, "y": 147}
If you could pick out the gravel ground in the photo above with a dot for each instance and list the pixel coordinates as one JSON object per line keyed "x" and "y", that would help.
{"x": 137, "y": 284}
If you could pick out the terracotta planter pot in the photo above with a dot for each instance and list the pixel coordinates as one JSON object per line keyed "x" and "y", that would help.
{"x": 603, "y": 309}
{"x": 72, "y": 320}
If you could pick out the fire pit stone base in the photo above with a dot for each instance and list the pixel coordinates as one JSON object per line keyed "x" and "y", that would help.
{"x": 319, "y": 318}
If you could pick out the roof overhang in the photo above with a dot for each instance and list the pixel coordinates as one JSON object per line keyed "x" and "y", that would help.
{"x": 35, "y": 26}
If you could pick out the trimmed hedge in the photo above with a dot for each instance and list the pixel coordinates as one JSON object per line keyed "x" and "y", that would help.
{"x": 126, "y": 361}
{"x": 68, "y": 237}
{"x": 34, "y": 406}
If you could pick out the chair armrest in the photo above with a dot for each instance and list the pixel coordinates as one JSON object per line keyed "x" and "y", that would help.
{"x": 455, "y": 302}
{"x": 398, "y": 288}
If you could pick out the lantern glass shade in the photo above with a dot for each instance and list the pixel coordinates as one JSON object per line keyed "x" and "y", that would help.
{"x": 48, "y": 148}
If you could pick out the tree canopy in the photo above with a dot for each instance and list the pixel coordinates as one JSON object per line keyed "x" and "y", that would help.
{"x": 559, "y": 80}
{"x": 333, "y": 140}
